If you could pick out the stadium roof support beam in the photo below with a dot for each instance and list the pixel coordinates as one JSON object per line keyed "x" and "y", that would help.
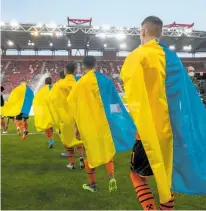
{"x": 65, "y": 30}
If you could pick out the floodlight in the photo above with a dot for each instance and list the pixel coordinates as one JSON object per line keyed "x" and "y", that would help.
{"x": 123, "y": 45}
{"x": 69, "y": 45}
{"x": 51, "y": 44}
{"x": 10, "y": 43}
{"x": 58, "y": 34}
{"x": 187, "y": 48}
{"x": 120, "y": 36}
{"x": 105, "y": 45}
{"x": 172, "y": 47}
{"x": 188, "y": 30}
{"x": 36, "y": 33}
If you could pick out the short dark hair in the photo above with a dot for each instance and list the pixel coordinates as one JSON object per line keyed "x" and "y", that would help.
{"x": 61, "y": 74}
{"x": 48, "y": 81}
{"x": 71, "y": 67}
{"x": 2, "y": 88}
{"x": 155, "y": 25}
{"x": 89, "y": 62}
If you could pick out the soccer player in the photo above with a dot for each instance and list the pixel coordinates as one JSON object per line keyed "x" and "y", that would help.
{"x": 21, "y": 126}
{"x": 49, "y": 131}
{"x": 165, "y": 108}
{"x": 59, "y": 94}
{"x": 42, "y": 117}
{"x": 89, "y": 63}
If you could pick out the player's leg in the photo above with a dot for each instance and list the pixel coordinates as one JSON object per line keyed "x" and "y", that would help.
{"x": 3, "y": 126}
{"x": 169, "y": 205}
{"x": 80, "y": 150}
{"x": 49, "y": 134}
{"x": 91, "y": 186}
{"x": 70, "y": 153}
{"x": 9, "y": 118}
{"x": 26, "y": 122}
{"x": 112, "y": 180}
{"x": 20, "y": 125}
{"x": 17, "y": 127}
{"x": 140, "y": 170}
{"x": 143, "y": 192}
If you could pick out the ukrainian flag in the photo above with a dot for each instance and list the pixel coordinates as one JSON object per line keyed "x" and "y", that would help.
{"x": 19, "y": 101}
{"x": 170, "y": 118}
{"x": 2, "y": 109}
{"x": 42, "y": 116}
{"x": 104, "y": 124}
{"x": 57, "y": 105}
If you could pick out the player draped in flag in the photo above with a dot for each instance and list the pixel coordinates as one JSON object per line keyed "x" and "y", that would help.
{"x": 42, "y": 116}
{"x": 102, "y": 121}
{"x": 170, "y": 120}
{"x": 58, "y": 108}
{"x": 19, "y": 105}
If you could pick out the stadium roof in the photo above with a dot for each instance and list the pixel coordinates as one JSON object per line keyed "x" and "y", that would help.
{"x": 180, "y": 37}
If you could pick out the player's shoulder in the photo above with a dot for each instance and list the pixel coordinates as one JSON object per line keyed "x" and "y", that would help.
{"x": 149, "y": 49}
{"x": 137, "y": 54}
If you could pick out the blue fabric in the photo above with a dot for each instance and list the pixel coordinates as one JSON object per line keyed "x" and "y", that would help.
{"x": 28, "y": 98}
{"x": 188, "y": 121}
{"x": 50, "y": 86}
{"x": 121, "y": 125}
{"x": 76, "y": 78}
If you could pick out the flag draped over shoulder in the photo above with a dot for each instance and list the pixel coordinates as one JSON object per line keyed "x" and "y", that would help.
{"x": 2, "y": 109}
{"x": 104, "y": 124}
{"x": 169, "y": 116}
{"x": 58, "y": 107}
{"x": 19, "y": 101}
{"x": 42, "y": 115}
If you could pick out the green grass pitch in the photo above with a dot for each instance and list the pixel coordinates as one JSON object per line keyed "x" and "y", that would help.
{"x": 36, "y": 178}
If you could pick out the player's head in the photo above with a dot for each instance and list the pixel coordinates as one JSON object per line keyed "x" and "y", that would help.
{"x": 89, "y": 63}
{"x": 61, "y": 74}
{"x": 151, "y": 28}
{"x": 48, "y": 81}
{"x": 23, "y": 82}
{"x": 70, "y": 68}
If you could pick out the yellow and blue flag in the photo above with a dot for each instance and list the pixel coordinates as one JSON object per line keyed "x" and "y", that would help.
{"x": 57, "y": 104}
{"x": 169, "y": 116}
{"x": 42, "y": 116}
{"x": 3, "y": 109}
{"x": 19, "y": 101}
{"x": 104, "y": 124}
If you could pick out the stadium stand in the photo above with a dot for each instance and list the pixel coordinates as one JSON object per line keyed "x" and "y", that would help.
{"x": 14, "y": 71}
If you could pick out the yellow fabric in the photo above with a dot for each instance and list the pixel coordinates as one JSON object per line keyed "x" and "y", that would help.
{"x": 85, "y": 103}
{"x": 2, "y": 109}
{"x": 15, "y": 101}
{"x": 42, "y": 116}
{"x": 59, "y": 110}
{"x": 143, "y": 74}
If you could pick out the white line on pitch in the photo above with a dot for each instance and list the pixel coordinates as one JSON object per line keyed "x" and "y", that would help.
{"x": 12, "y": 134}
